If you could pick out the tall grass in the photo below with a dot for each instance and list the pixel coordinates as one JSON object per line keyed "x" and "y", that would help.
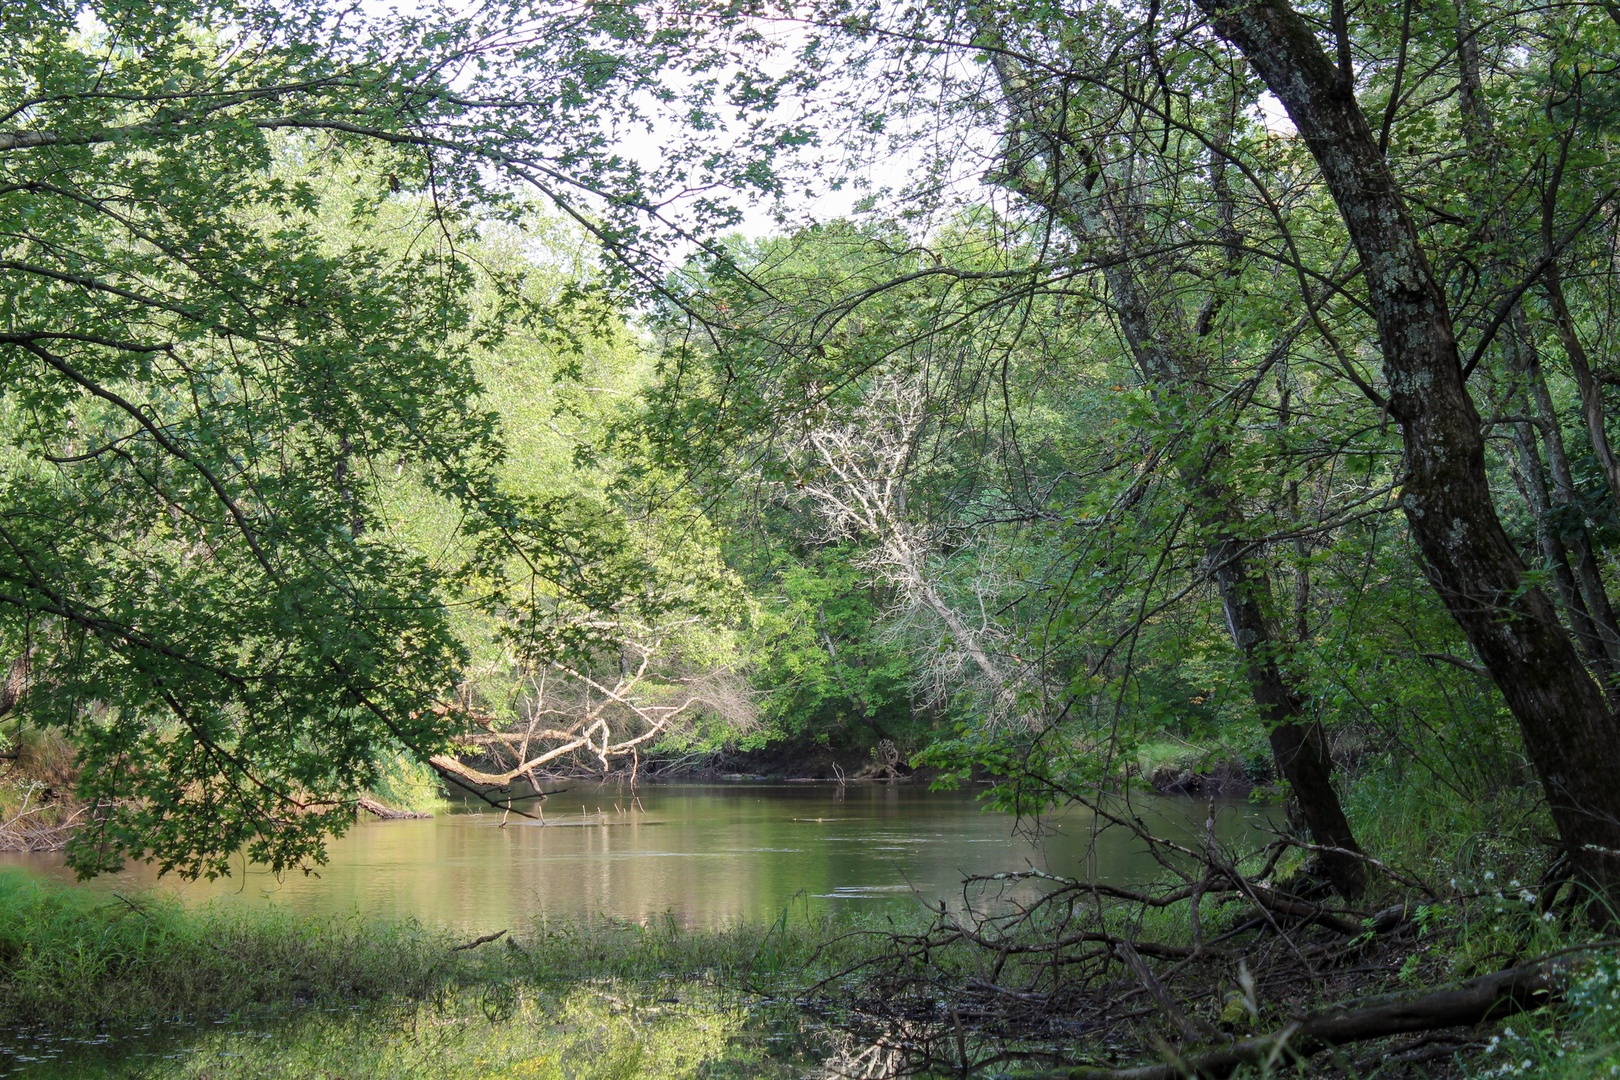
{"x": 74, "y": 958}
{"x": 588, "y": 1033}
{"x": 93, "y": 984}
{"x": 1479, "y": 842}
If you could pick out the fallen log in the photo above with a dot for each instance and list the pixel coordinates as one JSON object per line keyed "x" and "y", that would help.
{"x": 387, "y": 813}
{"x": 1489, "y": 997}
{"x": 482, "y": 940}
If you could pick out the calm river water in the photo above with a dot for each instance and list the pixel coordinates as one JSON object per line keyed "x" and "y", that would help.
{"x": 706, "y": 854}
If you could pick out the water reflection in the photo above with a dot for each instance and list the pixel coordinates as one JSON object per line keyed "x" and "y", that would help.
{"x": 707, "y": 854}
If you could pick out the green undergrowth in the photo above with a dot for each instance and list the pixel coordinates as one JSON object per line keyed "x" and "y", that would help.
{"x": 1479, "y": 845}
{"x": 403, "y": 782}
{"x": 590, "y": 1032}
{"x": 1472, "y": 859}
{"x": 1167, "y": 752}
{"x": 140, "y": 985}
{"x": 73, "y": 959}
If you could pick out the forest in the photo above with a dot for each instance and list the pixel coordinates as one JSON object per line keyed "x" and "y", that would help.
{"x": 1064, "y": 401}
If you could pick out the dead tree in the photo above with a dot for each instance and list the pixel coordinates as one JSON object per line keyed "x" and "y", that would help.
{"x": 856, "y": 475}
{"x": 568, "y": 711}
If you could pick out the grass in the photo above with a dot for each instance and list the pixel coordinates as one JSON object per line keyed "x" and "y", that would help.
{"x": 604, "y": 1032}
{"x": 92, "y": 985}
{"x": 1168, "y": 755}
{"x": 72, "y": 959}
{"x": 1480, "y": 845}
{"x": 405, "y": 783}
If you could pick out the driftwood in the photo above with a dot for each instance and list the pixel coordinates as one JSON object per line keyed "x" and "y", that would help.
{"x": 477, "y": 941}
{"x": 885, "y": 763}
{"x": 387, "y": 813}
{"x": 28, "y": 830}
{"x": 1190, "y": 1028}
{"x": 1489, "y": 997}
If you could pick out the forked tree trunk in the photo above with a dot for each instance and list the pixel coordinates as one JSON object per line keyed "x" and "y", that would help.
{"x": 1298, "y": 745}
{"x": 1569, "y": 733}
{"x": 1556, "y": 555}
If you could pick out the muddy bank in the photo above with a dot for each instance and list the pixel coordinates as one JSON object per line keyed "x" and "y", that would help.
{"x": 1220, "y": 779}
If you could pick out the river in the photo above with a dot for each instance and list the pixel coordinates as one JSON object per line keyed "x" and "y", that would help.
{"x": 704, "y": 854}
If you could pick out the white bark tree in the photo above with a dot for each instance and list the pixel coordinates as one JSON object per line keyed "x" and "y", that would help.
{"x": 856, "y": 473}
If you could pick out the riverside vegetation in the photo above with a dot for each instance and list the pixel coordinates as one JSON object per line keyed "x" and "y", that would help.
{"x": 96, "y": 985}
{"x": 459, "y": 398}
{"x": 118, "y": 984}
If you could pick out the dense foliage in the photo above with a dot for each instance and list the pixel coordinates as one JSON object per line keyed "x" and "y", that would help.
{"x": 1169, "y": 397}
{"x": 1208, "y": 386}
{"x": 243, "y": 301}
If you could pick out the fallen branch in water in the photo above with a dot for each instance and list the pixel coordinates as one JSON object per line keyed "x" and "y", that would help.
{"x": 1489, "y": 997}
{"x": 477, "y": 941}
{"x": 30, "y": 828}
{"x": 387, "y": 813}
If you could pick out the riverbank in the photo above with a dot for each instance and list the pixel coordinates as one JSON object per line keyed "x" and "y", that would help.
{"x": 90, "y": 982}
{"x": 710, "y": 854}
{"x": 759, "y": 932}
{"x": 1164, "y": 765}
{"x": 39, "y": 811}
{"x": 95, "y": 985}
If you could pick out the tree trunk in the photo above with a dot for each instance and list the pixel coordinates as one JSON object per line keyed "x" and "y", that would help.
{"x": 1171, "y": 360}
{"x": 1558, "y": 534}
{"x": 1297, "y": 744}
{"x": 18, "y": 677}
{"x": 1592, "y": 411}
{"x": 1477, "y": 1001}
{"x": 1576, "y": 538}
{"x": 1569, "y": 732}
{"x": 1556, "y": 555}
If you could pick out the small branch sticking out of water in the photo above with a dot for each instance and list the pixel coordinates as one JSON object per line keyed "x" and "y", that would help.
{"x": 477, "y": 941}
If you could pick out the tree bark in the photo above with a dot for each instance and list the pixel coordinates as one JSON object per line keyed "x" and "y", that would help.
{"x": 18, "y": 677}
{"x": 1569, "y": 732}
{"x": 1577, "y": 540}
{"x": 1592, "y": 411}
{"x": 1298, "y": 745}
{"x": 1556, "y": 555}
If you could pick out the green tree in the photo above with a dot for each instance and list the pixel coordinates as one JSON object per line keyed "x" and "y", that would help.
{"x": 211, "y": 388}
{"x": 1265, "y": 277}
